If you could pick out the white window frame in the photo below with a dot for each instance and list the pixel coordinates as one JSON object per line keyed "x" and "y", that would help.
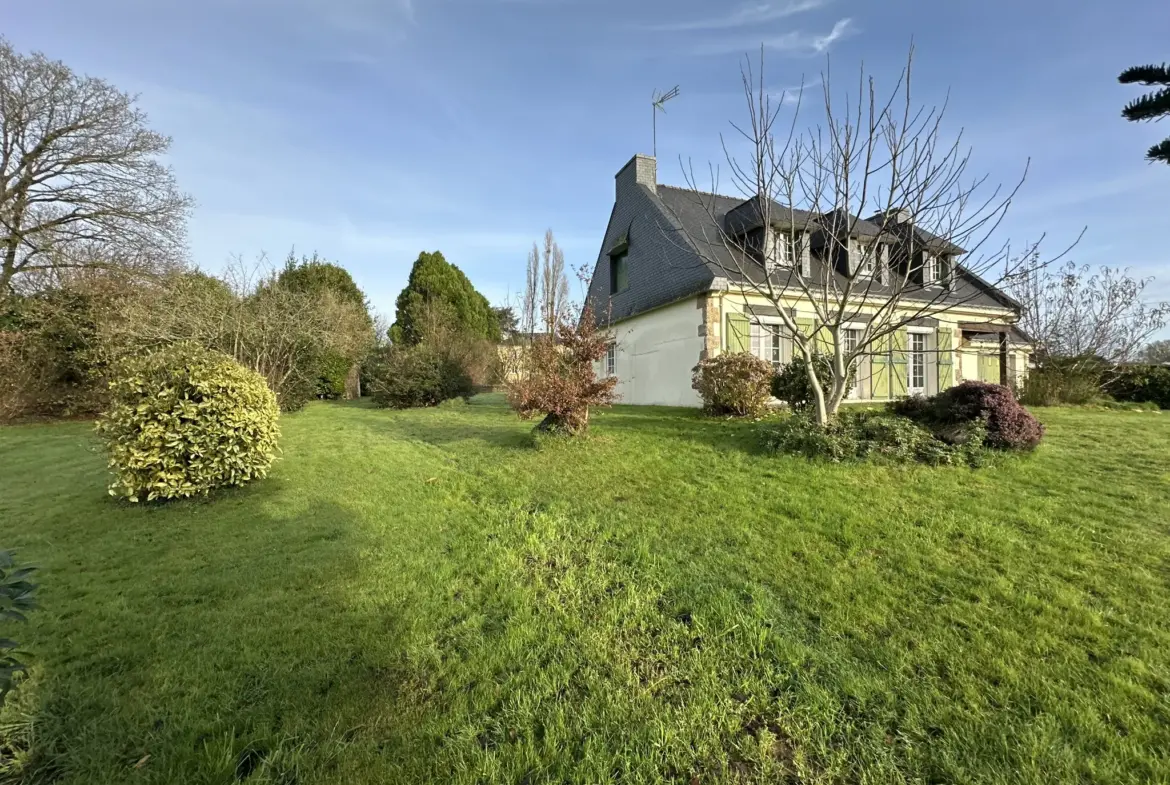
{"x": 611, "y": 360}
{"x": 756, "y": 339}
{"x": 931, "y": 272}
{"x": 864, "y": 266}
{"x": 778, "y": 249}
{"x": 913, "y": 333}
{"x": 858, "y": 330}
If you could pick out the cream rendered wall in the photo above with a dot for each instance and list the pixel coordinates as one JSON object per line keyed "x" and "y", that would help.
{"x": 656, "y": 351}
{"x": 966, "y": 360}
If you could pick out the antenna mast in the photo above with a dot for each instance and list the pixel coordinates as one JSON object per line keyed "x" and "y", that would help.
{"x": 657, "y": 105}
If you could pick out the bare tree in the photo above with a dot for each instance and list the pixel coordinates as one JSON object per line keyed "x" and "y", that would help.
{"x": 800, "y": 235}
{"x": 1076, "y": 312}
{"x": 528, "y": 308}
{"x": 554, "y": 290}
{"x": 81, "y": 183}
{"x": 546, "y": 291}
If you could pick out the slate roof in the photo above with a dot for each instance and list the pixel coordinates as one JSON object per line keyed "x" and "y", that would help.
{"x": 676, "y": 249}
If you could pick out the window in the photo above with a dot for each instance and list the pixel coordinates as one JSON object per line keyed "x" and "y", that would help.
{"x": 917, "y": 365}
{"x": 778, "y": 251}
{"x": 850, "y": 338}
{"x": 610, "y": 359}
{"x": 767, "y": 343}
{"x": 619, "y": 276}
{"x": 865, "y": 263}
{"x": 930, "y": 268}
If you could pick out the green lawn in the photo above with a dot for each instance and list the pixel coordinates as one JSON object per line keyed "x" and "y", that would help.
{"x": 422, "y": 596}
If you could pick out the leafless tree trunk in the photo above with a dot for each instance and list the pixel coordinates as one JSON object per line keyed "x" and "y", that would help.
{"x": 81, "y": 183}
{"x": 881, "y": 156}
{"x": 554, "y": 292}
{"x": 529, "y": 307}
{"x": 546, "y": 292}
{"x": 1075, "y": 312}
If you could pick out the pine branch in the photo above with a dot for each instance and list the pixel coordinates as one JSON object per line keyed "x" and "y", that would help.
{"x": 1160, "y": 152}
{"x": 1151, "y": 106}
{"x": 1146, "y": 74}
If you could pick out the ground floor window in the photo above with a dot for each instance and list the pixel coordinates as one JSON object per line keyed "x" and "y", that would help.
{"x": 850, "y": 339}
{"x": 917, "y": 365}
{"x": 768, "y": 344}
{"x": 610, "y": 359}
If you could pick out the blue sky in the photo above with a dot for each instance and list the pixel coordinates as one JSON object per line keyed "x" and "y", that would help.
{"x": 369, "y": 131}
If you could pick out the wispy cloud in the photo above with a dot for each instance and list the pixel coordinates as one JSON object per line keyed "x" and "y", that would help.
{"x": 791, "y": 94}
{"x": 796, "y": 42}
{"x": 752, "y": 14}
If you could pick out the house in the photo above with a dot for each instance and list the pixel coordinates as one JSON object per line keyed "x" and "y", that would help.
{"x": 674, "y": 291}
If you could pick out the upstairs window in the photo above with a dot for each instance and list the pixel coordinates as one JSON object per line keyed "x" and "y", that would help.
{"x": 864, "y": 262}
{"x": 778, "y": 250}
{"x": 871, "y": 260}
{"x": 619, "y": 273}
{"x": 930, "y": 268}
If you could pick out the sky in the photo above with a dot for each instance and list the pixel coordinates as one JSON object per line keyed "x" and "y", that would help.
{"x": 369, "y": 131}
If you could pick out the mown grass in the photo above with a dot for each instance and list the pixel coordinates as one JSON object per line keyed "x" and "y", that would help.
{"x": 424, "y": 597}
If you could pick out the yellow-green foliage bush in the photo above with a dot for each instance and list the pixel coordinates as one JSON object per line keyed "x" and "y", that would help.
{"x": 184, "y": 420}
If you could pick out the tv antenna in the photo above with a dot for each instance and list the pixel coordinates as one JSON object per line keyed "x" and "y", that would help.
{"x": 658, "y": 105}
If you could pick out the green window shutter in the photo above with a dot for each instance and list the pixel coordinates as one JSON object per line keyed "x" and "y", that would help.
{"x": 738, "y": 333}
{"x": 805, "y": 326}
{"x": 946, "y": 359}
{"x": 989, "y": 368}
{"x": 880, "y": 367}
{"x": 899, "y": 366}
{"x": 824, "y": 342}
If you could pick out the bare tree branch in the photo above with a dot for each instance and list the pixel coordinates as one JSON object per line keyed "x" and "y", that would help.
{"x": 81, "y": 180}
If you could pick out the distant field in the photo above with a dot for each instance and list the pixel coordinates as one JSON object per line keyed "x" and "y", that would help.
{"x": 423, "y": 597}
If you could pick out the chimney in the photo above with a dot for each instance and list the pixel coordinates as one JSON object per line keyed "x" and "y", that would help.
{"x": 901, "y": 215}
{"x": 641, "y": 170}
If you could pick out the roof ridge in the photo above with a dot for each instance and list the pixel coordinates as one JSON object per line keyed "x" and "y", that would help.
{"x": 698, "y": 191}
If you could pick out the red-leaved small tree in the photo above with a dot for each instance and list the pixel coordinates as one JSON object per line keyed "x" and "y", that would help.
{"x": 556, "y": 376}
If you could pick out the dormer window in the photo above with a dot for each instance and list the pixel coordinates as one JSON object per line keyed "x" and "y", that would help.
{"x": 870, "y": 260}
{"x": 619, "y": 273}
{"x": 864, "y": 263}
{"x": 931, "y": 268}
{"x": 778, "y": 250}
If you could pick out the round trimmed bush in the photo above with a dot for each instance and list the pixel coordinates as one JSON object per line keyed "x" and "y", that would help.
{"x": 184, "y": 420}
{"x": 736, "y": 384}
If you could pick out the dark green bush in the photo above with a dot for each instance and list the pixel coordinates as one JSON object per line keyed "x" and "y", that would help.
{"x": 402, "y": 377}
{"x": 333, "y": 370}
{"x": 1142, "y": 384}
{"x": 184, "y": 420}
{"x": 17, "y": 595}
{"x": 733, "y": 384}
{"x": 791, "y": 384}
{"x": 1057, "y": 382}
{"x": 862, "y": 435}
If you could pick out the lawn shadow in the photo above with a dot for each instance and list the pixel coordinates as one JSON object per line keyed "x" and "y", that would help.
{"x": 226, "y": 657}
